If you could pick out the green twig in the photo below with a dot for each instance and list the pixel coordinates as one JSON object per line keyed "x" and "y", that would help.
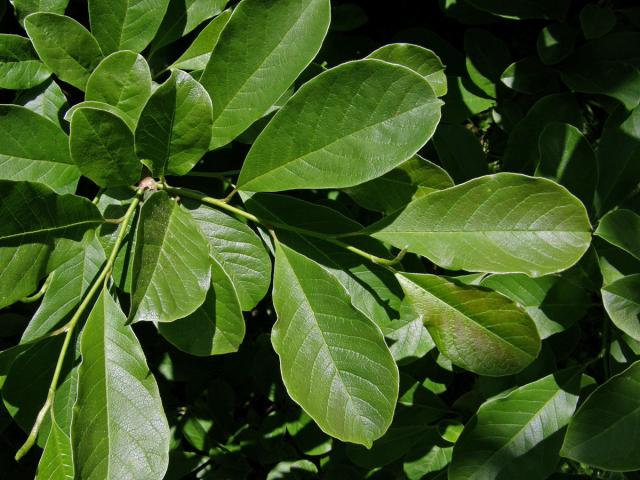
{"x": 221, "y": 203}
{"x": 70, "y": 326}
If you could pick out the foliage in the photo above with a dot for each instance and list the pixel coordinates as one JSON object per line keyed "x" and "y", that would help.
{"x": 298, "y": 239}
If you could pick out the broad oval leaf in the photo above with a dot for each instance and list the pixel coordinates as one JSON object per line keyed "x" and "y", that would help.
{"x": 621, "y": 228}
{"x": 487, "y": 57}
{"x": 419, "y": 59}
{"x": 174, "y": 129}
{"x": 502, "y": 223}
{"x": 198, "y": 54}
{"x": 37, "y": 235}
{"x": 20, "y": 67}
{"x": 358, "y": 121}
{"x": 334, "y": 361}
{"x": 34, "y": 149}
{"x": 65, "y": 46}
{"x": 605, "y": 431}
{"x": 47, "y": 100}
{"x": 517, "y": 435}
{"x": 460, "y": 152}
{"x": 122, "y": 80}
{"x": 27, "y": 7}
{"x": 249, "y": 72}
{"x": 216, "y": 327}
{"x": 238, "y": 250}
{"x": 171, "y": 267}
{"x": 477, "y": 329}
{"x": 622, "y": 302}
{"x": 119, "y": 426}
{"x": 413, "y": 179}
{"x": 125, "y": 24}
{"x": 102, "y": 146}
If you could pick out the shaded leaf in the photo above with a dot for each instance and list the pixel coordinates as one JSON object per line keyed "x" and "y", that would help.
{"x": 20, "y": 67}
{"x": 487, "y": 57}
{"x": 169, "y": 245}
{"x": 47, "y": 100}
{"x": 622, "y": 229}
{"x": 460, "y": 152}
{"x": 555, "y": 43}
{"x": 622, "y": 302}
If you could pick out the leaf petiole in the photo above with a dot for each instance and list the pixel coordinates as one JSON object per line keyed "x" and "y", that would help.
{"x": 70, "y": 326}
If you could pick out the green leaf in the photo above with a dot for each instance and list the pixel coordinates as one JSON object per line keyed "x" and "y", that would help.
{"x": 553, "y": 302}
{"x": 27, "y": 7}
{"x": 125, "y": 24}
{"x": 502, "y": 223}
{"x": 518, "y": 435}
{"x": 56, "y": 461}
{"x": 460, "y": 152}
{"x": 216, "y": 327}
{"x": 175, "y": 126}
{"x": 352, "y": 401}
{"x": 530, "y": 76}
{"x": 34, "y": 149}
{"x": 622, "y": 229}
{"x": 567, "y": 157}
{"x": 198, "y": 54}
{"x": 522, "y": 154}
{"x": 477, "y": 329}
{"x": 464, "y": 100}
{"x": 413, "y": 179}
{"x": 618, "y": 159}
{"x": 122, "y": 80}
{"x": 67, "y": 287}
{"x": 169, "y": 246}
{"x": 119, "y": 426}
{"x": 605, "y": 431}
{"x": 419, "y": 59}
{"x": 358, "y": 121}
{"x": 596, "y": 20}
{"x": 408, "y": 337}
{"x": 20, "y": 67}
{"x": 239, "y": 252}
{"x": 101, "y": 145}
{"x": 487, "y": 57}
{"x": 285, "y": 37}
{"x": 622, "y": 302}
{"x": 555, "y": 43}
{"x": 183, "y": 16}
{"x": 47, "y": 100}
{"x": 65, "y": 46}
{"x": 34, "y": 231}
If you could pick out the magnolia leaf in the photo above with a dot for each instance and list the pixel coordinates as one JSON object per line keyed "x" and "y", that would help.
{"x": 67, "y": 286}
{"x": 487, "y": 57}
{"x": 47, "y": 100}
{"x": 518, "y": 434}
{"x": 32, "y": 230}
{"x": 65, "y": 46}
{"x": 216, "y": 327}
{"x": 68, "y": 116}
{"x": 168, "y": 246}
{"x": 20, "y": 67}
{"x": 460, "y": 152}
{"x": 122, "y": 80}
{"x": 464, "y": 100}
{"x": 477, "y": 329}
{"x": 34, "y": 149}
{"x": 285, "y": 37}
{"x": 502, "y": 223}
{"x": 605, "y": 431}
{"x": 183, "y": 16}
{"x": 239, "y": 252}
{"x": 621, "y": 228}
{"x": 27, "y": 7}
{"x": 317, "y": 336}
{"x": 57, "y": 458}
{"x": 596, "y": 20}
{"x": 175, "y": 126}
{"x": 555, "y": 43}
{"x": 413, "y": 179}
{"x": 198, "y": 54}
{"x": 530, "y": 76}
{"x": 101, "y": 145}
{"x": 359, "y": 121}
{"x": 419, "y": 59}
{"x": 523, "y": 9}
{"x": 125, "y": 24}
{"x": 119, "y": 426}
{"x": 622, "y": 302}
{"x": 618, "y": 159}
{"x": 567, "y": 157}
